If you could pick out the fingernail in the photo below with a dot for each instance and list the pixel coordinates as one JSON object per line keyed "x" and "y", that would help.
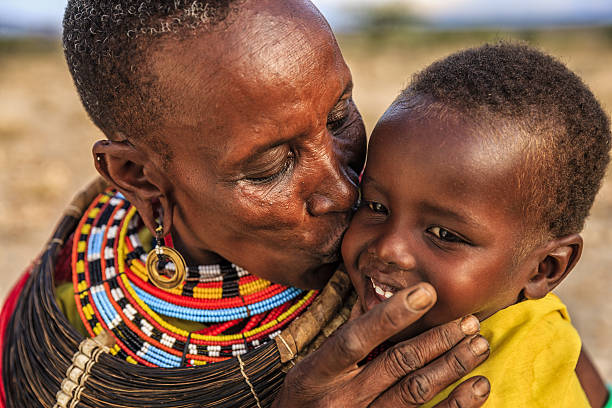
{"x": 481, "y": 387}
{"x": 419, "y": 299}
{"x": 479, "y": 345}
{"x": 469, "y": 325}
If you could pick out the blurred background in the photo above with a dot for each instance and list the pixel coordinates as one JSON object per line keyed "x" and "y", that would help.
{"x": 46, "y": 137}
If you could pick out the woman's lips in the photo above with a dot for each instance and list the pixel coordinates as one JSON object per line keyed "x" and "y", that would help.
{"x": 330, "y": 249}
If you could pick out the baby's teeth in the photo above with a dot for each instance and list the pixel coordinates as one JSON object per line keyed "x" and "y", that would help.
{"x": 380, "y": 291}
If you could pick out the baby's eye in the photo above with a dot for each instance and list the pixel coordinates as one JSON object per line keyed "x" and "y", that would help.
{"x": 445, "y": 235}
{"x": 377, "y": 207}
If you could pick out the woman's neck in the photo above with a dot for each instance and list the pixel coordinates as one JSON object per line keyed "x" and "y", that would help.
{"x": 194, "y": 255}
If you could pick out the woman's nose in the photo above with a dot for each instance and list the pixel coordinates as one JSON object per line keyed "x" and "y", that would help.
{"x": 337, "y": 189}
{"x": 394, "y": 248}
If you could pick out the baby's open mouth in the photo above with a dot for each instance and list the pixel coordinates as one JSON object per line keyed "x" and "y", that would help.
{"x": 382, "y": 290}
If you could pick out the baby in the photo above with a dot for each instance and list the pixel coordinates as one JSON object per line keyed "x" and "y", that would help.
{"x": 478, "y": 180}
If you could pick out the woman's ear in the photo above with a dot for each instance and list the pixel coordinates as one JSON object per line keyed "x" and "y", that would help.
{"x": 558, "y": 259}
{"x": 134, "y": 174}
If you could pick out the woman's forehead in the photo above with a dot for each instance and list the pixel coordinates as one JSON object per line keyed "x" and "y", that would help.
{"x": 264, "y": 81}
{"x": 263, "y": 44}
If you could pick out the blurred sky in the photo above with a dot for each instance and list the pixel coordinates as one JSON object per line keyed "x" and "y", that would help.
{"x": 46, "y": 14}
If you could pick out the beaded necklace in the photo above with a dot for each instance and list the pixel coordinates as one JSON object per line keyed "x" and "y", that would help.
{"x": 112, "y": 292}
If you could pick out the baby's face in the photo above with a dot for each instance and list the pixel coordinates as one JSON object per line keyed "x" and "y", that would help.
{"x": 438, "y": 206}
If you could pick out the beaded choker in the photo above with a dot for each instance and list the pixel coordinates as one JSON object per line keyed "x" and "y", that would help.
{"x": 112, "y": 292}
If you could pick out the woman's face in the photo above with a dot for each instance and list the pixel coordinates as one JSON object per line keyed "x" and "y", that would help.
{"x": 266, "y": 143}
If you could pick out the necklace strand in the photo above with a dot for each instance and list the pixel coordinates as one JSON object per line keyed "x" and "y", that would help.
{"x": 112, "y": 292}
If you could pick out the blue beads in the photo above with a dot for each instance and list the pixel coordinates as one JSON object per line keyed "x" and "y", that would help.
{"x": 137, "y": 335}
{"x": 217, "y": 315}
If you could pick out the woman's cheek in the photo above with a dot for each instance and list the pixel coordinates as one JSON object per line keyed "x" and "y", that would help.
{"x": 268, "y": 207}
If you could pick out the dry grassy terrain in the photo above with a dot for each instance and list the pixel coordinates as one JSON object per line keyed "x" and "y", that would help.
{"x": 45, "y": 141}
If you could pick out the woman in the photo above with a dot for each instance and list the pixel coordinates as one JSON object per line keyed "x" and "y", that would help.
{"x": 231, "y": 130}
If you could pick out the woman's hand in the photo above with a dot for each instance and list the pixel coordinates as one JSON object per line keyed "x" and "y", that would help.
{"x": 407, "y": 375}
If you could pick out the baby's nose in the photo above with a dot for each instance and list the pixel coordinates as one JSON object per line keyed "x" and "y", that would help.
{"x": 395, "y": 249}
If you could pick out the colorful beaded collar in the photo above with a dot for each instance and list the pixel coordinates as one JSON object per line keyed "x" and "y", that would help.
{"x": 112, "y": 292}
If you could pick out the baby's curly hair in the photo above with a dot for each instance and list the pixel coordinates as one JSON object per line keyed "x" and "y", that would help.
{"x": 563, "y": 127}
{"x": 106, "y": 44}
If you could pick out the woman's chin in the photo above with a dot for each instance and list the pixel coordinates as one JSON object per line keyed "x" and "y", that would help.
{"x": 319, "y": 277}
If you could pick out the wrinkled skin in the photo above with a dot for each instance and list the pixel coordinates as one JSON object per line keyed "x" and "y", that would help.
{"x": 267, "y": 140}
{"x": 406, "y": 375}
{"x": 266, "y": 146}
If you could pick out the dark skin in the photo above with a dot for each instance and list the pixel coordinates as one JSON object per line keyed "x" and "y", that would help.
{"x": 278, "y": 153}
{"x": 591, "y": 381}
{"x": 432, "y": 203}
{"x": 267, "y": 146}
{"x": 438, "y": 197}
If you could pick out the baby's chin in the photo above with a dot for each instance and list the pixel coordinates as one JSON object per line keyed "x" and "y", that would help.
{"x": 418, "y": 327}
{"x": 431, "y": 319}
{"x": 411, "y": 331}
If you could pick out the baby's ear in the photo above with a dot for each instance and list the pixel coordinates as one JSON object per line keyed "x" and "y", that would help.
{"x": 559, "y": 257}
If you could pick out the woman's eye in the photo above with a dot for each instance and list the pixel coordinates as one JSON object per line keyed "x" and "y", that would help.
{"x": 377, "y": 207}
{"x": 274, "y": 172}
{"x": 445, "y": 235}
{"x": 337, "y": 117}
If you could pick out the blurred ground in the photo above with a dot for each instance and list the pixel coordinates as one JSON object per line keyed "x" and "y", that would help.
{"x": 46, "y": 137}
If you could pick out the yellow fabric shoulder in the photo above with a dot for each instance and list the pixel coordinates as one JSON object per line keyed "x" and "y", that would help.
{"x": 534, "y": 351}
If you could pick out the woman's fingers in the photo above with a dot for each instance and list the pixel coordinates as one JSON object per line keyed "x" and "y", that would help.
{"x": 407, "y": 375}
{"x": 410, "y": 355}
{"x": 471, "y": 393}
{"x": 326, "y": 377}
{"x": 421, "y": 385}
{"x": 354, "y": 341}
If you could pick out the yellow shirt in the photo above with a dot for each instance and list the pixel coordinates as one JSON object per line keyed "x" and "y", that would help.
{"x": 534, "y": 350}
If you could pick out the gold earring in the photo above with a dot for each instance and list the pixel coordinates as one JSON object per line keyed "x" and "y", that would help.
{"x": 171, "y": 261}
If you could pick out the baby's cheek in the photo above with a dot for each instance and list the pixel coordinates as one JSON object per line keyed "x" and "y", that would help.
{"x": 348, "y": 249}
{"x": 448, "y": 309}
{"x": 349, "y": 256}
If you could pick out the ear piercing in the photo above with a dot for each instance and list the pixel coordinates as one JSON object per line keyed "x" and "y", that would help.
{"x": 166, "y": 267}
